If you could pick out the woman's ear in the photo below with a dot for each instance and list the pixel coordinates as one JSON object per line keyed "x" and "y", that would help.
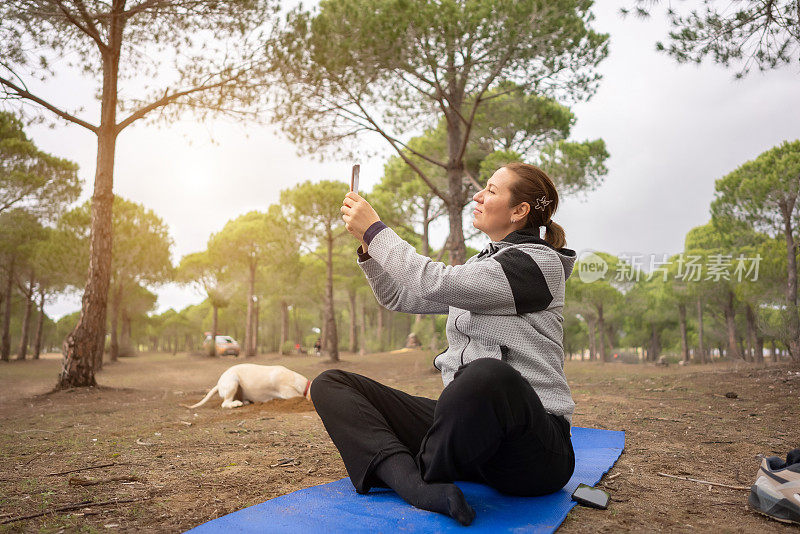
{"x": 522, "y": 210}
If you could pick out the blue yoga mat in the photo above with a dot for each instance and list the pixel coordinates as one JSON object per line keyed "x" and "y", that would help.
{"x": 336, "y": 507}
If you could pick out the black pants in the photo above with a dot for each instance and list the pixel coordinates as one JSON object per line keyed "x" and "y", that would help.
{"x": 488, "y": 426}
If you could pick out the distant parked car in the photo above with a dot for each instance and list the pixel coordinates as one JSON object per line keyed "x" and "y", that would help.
{"x": 624, "y": 356}
{"x": 225, "y": 345}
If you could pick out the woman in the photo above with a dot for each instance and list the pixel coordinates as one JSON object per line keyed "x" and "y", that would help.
{"x": 504, "y": 416}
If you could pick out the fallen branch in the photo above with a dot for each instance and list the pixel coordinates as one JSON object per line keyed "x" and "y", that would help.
{"x": 83, "y": 504}
{"x": 80, "y": 469}
{"x": 285, "y": 462}
{"x": 35, "y": 456}
{"x": 78, "y": 481}
{"x": 705, "y": 482}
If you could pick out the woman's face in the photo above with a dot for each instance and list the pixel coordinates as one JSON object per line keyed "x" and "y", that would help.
{"x": 492, "y": 213}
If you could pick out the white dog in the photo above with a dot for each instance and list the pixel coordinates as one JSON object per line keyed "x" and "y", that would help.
{"x": 258, "y": 383}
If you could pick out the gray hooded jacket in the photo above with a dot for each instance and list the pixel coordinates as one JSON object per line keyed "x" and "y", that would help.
{"x": 504, "y": 303}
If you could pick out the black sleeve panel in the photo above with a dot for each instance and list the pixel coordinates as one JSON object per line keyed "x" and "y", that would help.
{"x": 526, "y": 279}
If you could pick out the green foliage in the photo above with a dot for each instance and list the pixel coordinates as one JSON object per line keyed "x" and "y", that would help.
{"x": 19, "y": 232}
{"x": 763, "y": 193}
{"x": 315, "y": 207}
{"x": 141, "y": 249}
{"x": 396, "y": 67}
{"x": 395, "y": 57}
{"x": 403, "y": 200}
{"x": 31, "y": 179}
{"x": 534, "y": 128}
{"x": 243, "y": 241}
{"x": 179, "y": 51}
{"x": 494, "y": 161}
{"x": 748, "y": 32}
{"x": 207, "y": 272}
{"x": 513, "y": 119}
{"x": 577, "y": 167}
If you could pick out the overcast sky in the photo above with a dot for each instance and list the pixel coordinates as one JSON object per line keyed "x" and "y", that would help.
{"x": 671, "y": 130}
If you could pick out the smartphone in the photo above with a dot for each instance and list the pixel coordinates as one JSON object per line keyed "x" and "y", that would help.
{"x": 354, "y": 178}
{"x": 592, "y": 497}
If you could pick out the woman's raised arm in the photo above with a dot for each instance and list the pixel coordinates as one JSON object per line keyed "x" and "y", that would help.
{"x": 515, "y": 280}
{"x": 394, "y": 296}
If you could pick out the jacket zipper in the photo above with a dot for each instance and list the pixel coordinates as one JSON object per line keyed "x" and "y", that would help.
{"x": 434, "y": 359}
{"x": 469, "y": 339}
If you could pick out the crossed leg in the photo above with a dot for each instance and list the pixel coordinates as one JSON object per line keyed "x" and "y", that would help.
{"x": 488, "y": 426}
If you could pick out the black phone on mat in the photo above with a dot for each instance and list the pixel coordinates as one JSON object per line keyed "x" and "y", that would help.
{"x": 592, "y": 497}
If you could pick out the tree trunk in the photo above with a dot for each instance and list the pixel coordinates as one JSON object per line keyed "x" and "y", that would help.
{"x": 212, "y": 350}
{"x": 791, "y": 283}
{"x": 116, "y": 300}
{"x": 455, "y": 183}
{"x": 759, "y": 346}
{"x": 331, "y": 336}
{"x": 26, "y": 321}
{"x": 684, "y": 341}
{"x": 434, "y": 335}
{"x": 756, "y": 344}
{"x": 774, "y": 352}
{"x": 249, "y": 350}
{"x": 391, "y": 329}
{"x": 284, "y": 325}
{"x": 324, "y": 330}
{"x": 701, "y": 347}
{"x": 379, "y": 328}
{"x": 298, "y": 338}
{"x": 353, "y": 314}
{"x": 125, "y": 333}
{"x": 256, "y": 319}
{"x": 730, "y": 322}
{"x": 592, "y": 341}
{"x": 362, "y": 324}
{"x": 601, "y": 329}
{"x": 5, "y": 350}
{"x": 426, "y": 251}
{"x": 37, "y": 347}
{"x": 416, "y": 324}
{"x": 655, "y": 343}
{"x": 83, "y": 348}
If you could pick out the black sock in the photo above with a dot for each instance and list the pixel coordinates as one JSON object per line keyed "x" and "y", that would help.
{"x": 400, "y": 473}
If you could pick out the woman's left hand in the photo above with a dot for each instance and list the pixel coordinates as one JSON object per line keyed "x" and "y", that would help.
{"x": 358, "y": 215}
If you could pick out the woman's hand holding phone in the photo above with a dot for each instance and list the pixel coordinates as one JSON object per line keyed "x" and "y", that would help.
{"x": 358, "y": 215}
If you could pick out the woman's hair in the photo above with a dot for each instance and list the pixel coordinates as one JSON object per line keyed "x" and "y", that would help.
{"x": 531, "y": 185}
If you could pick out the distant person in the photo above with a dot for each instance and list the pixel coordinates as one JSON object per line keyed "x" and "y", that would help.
{"x": 412, "y": 341}
{"x": 318, "y": 346}
{"x": 504, "y": 416}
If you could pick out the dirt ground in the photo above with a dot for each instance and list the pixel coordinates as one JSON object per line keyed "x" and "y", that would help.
{"x": 172, "y": 468}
